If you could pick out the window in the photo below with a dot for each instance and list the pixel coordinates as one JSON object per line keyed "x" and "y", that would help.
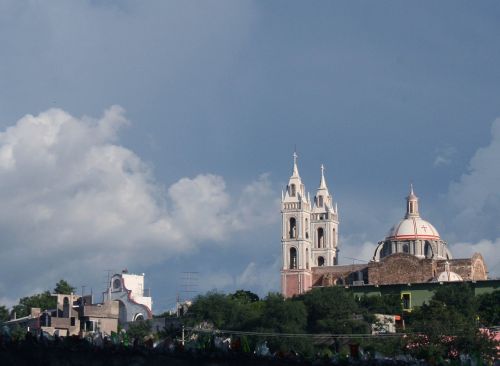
{"x": 307, "y": 258}
{"x": 306, "y": 226}
{"x": 428, "y": 250}
{"x": 66, "y": 307}
{"x": 320, "y": 204}
{"x": 321, "y": 238}
{"x": 91, "y": 326}
{"x": 45, "y": 320}
{"x": 406, "y": 248}
{"x": 292, "y": 190}
{"x": 293, "y": 258}
{"x": 334, "y": 237}
{"x": 292, "y": 228}
{"x": 73, "y": 321}
{"x": 406, "y": 301}
{"x": 321, "y": 261}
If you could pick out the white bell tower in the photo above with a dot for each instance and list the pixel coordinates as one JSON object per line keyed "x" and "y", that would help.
{"x": 324, "y": 227}
{"x": 296, "y": 275}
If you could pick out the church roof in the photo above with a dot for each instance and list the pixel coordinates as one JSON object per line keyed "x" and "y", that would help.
{"x": 448, "y": 276}
{"x": 413, "y": 228}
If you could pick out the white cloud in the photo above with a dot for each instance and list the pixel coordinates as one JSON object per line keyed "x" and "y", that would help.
{"x": 351, "y": 251}
{"x": 487, "y": 248}
{"x": 444, "y": 156}
{"x": 474, "y": 205}
{"x": 75, "y": 202}
{"x": 260, "y": 278}
{"x": 477, "y": 188}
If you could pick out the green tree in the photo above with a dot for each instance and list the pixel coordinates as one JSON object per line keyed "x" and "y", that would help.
{"x": 489, "y": 308}
{"x": 139, "y": 329}
{"x": 384, "y": 304}
{"x": 225, "y": 311}
{"x": 244, "y": 296}
{"x": 459, "y": 297}
{"x": 213, "y": 307}
{"x": 4, "y": 314}
{"x": 449, "y": 326}
{"x": 334, "y": 310}
{"x": 283, "y": 316}
{"x": 43, "y": 301}
{"x": 63, "y": 287}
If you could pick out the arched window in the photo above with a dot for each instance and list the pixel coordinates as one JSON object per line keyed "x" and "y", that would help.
{"x": 65, "y": 307}
{"x": 321, "y": 238}
{"x": 292, "y": 228}
{"x": 428, "y": 250}
{"x": 334, "y": 237}
{"x": 406, "y": 248}
{"x": 292, "y": 190}
{"x": 306, "y": 226}
{"x": 293, "y": 258}
{"x": 320, "y": 199}
{"x": 307, "y": 258}
{"x": 321, "y": 261}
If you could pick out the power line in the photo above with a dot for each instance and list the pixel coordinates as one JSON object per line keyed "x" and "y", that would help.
{"x": 300, "y": 335}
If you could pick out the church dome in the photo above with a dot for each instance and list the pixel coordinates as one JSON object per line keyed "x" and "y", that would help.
{"x": 448, "y": 276}
{"x": 413, "y": 228}
{"x": 413, "y": 235}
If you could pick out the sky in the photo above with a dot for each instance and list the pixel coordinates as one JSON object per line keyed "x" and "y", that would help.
{"x": 157, "y": 135}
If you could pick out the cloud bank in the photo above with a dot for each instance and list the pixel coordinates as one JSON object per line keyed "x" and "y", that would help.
{"x": 75, "y": 202}
{"x": 474, "y": 201}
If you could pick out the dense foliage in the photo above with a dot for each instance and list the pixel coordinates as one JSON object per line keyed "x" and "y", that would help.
{"x": 4, "y": 313}
{"x": 43, "y": 300}
{"x": 450, "y": 323}
{"x": 139, "y": 329}
{"x": 63, "y": 287}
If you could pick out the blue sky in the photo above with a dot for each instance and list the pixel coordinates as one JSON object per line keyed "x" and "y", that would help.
{"x": 185, "y": 175}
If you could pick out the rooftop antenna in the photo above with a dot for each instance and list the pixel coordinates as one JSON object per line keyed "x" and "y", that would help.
{"x": 189, "y": 286}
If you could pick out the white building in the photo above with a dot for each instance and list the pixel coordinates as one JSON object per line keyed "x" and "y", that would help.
{"x": 135, "y": 301}
{"x": 309, "y": 232}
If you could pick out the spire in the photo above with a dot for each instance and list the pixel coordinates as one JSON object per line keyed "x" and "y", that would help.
{"x": 412, "y": 204}
{"x": 322, "y": 183}
{"x": 295, "y": 169}
{"x": 295, "y": 187}
{"x": 412, "y": 194}
{"x": 323, "y": 189}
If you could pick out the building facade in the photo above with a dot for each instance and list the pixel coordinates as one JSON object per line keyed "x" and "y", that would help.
{"x": 134, "y": 300}
{"x": 309, "y": 233}
{"x": 73, "y": 315}
{"x": 412, "y": 251}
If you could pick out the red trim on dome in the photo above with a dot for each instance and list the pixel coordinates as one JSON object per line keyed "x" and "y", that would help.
{"x": 413, "y": 236}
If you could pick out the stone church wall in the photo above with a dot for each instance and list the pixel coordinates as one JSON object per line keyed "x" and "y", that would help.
{"x": 401, "y": 268}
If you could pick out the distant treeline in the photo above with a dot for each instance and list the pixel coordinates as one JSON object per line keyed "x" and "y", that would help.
{"x": 451, "y": 324}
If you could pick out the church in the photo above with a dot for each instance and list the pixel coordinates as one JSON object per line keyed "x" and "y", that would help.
{"x": 413, "y": 252}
